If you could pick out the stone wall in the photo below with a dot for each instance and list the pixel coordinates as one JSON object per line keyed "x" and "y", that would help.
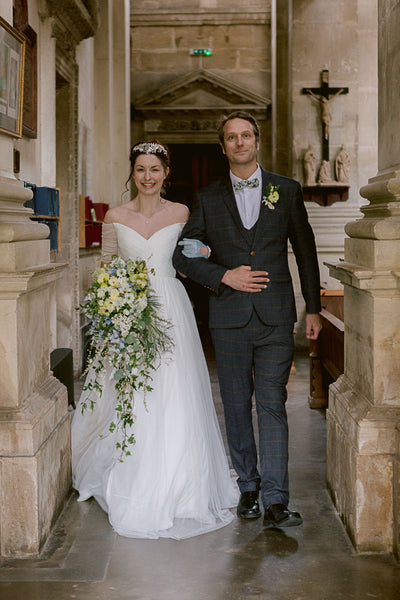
{"x": 79, "y": 150}
{"x": 341, "y": 37}
{"x": 240, "y": 42}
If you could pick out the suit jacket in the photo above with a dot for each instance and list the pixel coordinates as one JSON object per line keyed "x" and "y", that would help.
{"x": 215, "y": 220}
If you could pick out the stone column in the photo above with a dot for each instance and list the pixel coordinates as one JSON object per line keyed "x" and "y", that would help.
{"x": 112, "y": 107}
{"x": 103, "y": 178}
{"x": 34, "y": 419}
{"x": 281, "y": 50}
{"x": 364, "y": 404}
{"x": 121, "y": 100}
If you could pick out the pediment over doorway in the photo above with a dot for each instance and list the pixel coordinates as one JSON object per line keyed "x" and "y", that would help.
{"x": 201, "y": 90}
{"x": 195, "y": 102}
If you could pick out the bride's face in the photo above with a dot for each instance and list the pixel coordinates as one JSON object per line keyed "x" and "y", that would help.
{"x": 149, "y": 174}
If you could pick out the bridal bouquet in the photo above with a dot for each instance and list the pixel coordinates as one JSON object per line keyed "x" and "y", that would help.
{"x": 126, "y": 332}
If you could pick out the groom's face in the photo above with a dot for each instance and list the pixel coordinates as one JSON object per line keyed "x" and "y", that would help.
{"x": 240, "y": 145}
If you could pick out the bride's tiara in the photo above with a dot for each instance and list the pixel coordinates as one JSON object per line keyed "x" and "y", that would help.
{"x": 149, "y": 148}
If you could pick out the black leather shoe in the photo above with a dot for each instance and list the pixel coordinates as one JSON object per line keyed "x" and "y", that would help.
{"x": 248, "y": 507}
{"x": 278, "y": 515}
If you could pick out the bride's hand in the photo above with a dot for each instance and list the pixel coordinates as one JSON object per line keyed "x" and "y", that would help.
{"x": 194, "y": 248}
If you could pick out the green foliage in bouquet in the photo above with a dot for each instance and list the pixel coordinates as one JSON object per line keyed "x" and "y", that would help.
{"x": 126, "y": 332}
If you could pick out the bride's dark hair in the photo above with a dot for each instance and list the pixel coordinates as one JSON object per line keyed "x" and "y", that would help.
{"x": 153, "y": 147}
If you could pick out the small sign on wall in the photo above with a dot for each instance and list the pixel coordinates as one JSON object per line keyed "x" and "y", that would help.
{"x": 201, "y": 52}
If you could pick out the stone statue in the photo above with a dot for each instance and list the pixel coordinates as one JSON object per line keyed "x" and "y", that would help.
{"x": 342, "y": 166}
{"x": 309, "y": 166}
{"x": 325, "y": 172}
{"x": 325, "y": 114}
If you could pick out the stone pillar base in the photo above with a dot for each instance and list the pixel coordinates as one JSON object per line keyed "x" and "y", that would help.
{"x": 35, "y": 456}
{"x": 35, "y": 469}
{"x": 396, "y": 503}
{"x": 361, "y": 448}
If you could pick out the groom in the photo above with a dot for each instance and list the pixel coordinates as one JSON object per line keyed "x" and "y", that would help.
{"x": 242, "y": 225}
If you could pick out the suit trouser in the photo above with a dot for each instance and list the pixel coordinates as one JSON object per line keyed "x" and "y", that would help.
{"x": 256, "y": 358}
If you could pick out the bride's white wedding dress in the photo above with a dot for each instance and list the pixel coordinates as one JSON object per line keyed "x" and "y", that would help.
{"x": 177, "y": 482}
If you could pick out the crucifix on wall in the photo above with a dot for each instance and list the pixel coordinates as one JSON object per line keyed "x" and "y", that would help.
{"x": 325, "y": 95}
{"x": 330, "y": 191}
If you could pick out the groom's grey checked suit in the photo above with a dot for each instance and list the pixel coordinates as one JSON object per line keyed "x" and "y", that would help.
{"x": 253, "y": 332}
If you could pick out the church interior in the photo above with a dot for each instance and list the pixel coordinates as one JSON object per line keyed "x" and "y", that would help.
{"x": 81, "y": 82}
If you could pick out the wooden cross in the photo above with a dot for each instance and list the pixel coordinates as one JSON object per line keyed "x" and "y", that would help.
{"x": 322, "y": 94}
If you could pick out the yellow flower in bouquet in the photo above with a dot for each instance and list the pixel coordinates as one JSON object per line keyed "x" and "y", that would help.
{"x": 127, "y": 332}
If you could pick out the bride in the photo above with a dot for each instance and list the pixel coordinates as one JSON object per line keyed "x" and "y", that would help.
{"x": 176, "y": 483}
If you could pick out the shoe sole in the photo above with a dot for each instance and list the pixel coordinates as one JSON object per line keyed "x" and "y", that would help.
{"x": 249, "y": 517}
{"x": 290, "y": 522}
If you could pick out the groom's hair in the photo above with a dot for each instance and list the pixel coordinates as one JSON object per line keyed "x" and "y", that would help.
{"x": 237, "y": 114}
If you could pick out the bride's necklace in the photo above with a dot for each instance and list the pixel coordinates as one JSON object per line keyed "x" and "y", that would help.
{"x": 147, "y": 218}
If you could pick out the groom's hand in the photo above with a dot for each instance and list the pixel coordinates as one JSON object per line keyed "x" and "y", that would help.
{"x": 313, "y": 325}
{"x": 244, "y": 279}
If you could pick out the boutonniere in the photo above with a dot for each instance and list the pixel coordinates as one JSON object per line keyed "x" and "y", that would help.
{"x": 271, "y": 196}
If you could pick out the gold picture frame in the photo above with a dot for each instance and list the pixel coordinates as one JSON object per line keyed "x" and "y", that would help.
{"x": 12, "y": 55}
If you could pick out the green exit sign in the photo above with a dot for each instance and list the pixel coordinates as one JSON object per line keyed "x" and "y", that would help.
{"x": 201, "y": 52}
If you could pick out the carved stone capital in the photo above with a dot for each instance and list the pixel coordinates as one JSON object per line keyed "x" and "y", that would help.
{"x": 381, "y": 219}
{"x": 14, "y": 285}
{"x": 383, "y": 188}
{"x": 13, "y": 191}
{"x": 375, "y": 226}
{"x": 365, "y": 278}
{"x": 79, "y": 19}
{"x": 23, "y": 243}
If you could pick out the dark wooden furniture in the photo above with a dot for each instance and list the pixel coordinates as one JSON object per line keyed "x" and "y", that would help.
{"x": 326, "y": 194}
{"x": 91, "y": 216}
{"x": 327, "y": 353}
{"x": 61, "y": 363}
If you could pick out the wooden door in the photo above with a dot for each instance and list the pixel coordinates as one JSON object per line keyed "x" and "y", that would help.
{"x": 193, "y": 166}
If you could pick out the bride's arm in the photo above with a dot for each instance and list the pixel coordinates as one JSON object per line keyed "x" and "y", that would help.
{"x": 109, "y": 242}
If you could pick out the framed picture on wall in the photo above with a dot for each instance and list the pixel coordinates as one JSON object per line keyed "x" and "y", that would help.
{"x": 12, "y": 54}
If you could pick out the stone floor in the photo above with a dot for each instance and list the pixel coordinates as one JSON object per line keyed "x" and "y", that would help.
{"x": 86, "y": 560}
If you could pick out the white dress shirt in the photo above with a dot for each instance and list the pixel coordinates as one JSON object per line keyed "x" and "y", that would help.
{"x": 248, "y": 199}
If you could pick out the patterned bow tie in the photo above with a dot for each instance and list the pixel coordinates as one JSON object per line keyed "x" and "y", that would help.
{"x": 239, "y": 185}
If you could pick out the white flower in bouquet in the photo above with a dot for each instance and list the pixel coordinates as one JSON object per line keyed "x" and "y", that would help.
{"x": 127, "y": 332}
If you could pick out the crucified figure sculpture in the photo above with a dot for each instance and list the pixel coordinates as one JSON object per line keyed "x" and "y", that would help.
{"x": 325, "y": 113}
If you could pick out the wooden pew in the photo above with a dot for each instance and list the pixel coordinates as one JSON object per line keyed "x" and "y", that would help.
{"x": 327, "y": 353}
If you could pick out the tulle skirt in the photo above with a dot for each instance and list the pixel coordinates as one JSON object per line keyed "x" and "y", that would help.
{"x": 177, "y": 482}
